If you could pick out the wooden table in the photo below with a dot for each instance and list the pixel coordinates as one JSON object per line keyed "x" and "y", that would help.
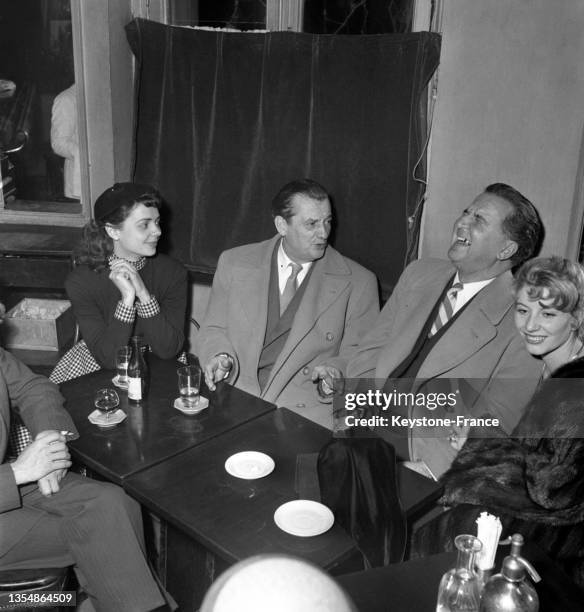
{"x": 174, "y": 465}
{"x": 227, "y": 519}
{"x": 155, "y": 430}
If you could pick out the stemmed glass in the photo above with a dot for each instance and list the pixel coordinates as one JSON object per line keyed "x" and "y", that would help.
{"x": 106, "y": 401}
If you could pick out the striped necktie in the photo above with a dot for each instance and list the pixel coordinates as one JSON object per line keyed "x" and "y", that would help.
{"x": 290, "y": 288}
{"x": 446, "y": 309}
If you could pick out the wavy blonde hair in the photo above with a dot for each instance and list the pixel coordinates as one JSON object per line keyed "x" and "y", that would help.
{"x": 561, "y": 279}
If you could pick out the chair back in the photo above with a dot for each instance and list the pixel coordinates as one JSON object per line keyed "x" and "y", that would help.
{"x": 358, "y": 482}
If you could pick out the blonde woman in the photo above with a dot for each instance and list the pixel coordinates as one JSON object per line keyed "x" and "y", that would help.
{"x": 534, "y": 481}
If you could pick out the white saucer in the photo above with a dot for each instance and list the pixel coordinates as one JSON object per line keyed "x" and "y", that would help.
{"x": 118, "y": 384}
{"x": 249, "y": 465}
{"x": 99, "y": 418}
{"x": 198, "y": 407}
{"x": 303, "y": 517}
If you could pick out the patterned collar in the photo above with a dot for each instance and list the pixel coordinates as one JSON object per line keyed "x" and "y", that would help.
{"x": 138, "y": 264}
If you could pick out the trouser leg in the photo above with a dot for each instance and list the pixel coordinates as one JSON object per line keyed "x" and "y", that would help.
{"x": 101, "y": 528}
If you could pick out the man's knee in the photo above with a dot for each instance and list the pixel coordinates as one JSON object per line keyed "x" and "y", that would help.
{"x": 102, "y": 497}
{"x": 113, "y": 498}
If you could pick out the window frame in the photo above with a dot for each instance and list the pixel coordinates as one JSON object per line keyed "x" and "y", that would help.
{"x": 41, "y": 217}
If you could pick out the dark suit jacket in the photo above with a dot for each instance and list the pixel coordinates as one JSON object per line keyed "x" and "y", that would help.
{"x": 40, "y": 406}
{"x": 338, "y": 307}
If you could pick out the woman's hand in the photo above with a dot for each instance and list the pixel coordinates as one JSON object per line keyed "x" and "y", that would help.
{"x": 126, "y": 278}
{"x": 120, "y": 277}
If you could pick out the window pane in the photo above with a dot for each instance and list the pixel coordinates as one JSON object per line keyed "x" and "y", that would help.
{"x": 358, "y": 17}
{"x": 239, "y": 14}
{"x": 36, "y": 56}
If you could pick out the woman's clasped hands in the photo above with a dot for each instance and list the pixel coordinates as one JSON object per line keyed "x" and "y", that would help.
{"x": 126, "y": 278}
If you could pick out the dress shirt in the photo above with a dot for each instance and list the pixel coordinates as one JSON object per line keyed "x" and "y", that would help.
{"x": 284, "y": 269}
{"x": 468, "y": 291}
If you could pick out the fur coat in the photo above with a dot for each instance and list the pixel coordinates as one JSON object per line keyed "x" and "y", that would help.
{"x": 534, "y": 481}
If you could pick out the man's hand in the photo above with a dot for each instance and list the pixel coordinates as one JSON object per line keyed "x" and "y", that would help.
{"x": 49, "y": 484}
{"x": 325, "y": 375}
{"x": 458, "y": 436}
{"x": 46, "y": 454}
{"x": 217, "y": 369}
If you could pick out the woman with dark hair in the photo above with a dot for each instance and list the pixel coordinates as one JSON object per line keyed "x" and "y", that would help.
{"x": 534, "y": 480}
{"x": 120, "y": 286}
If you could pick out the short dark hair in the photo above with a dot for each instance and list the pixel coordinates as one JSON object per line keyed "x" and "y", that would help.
{"x": 523, "y": 225}
{"x": 112, "y": 207}
{"x": 282, "y": 203}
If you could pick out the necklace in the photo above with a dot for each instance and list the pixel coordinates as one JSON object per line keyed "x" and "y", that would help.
{"x": 574, "y": 354}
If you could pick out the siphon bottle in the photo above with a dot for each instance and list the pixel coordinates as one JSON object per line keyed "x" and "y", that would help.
{"x": 459, "y": 588}
{"x": 138, "y": 374}
{"x": 511, "y": 591}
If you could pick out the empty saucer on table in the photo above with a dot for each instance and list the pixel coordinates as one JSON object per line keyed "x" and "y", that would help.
{"x": 117, "y": 383}
{"x": 198, "y": 407}
{"x": 249, "y": 465}
{"x": 101, "y": 420}
{"x": 303, "y": 517}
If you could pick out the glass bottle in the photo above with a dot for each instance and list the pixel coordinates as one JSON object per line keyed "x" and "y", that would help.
{"x": 510, "y": 591}
{"x": 459, "y": 588}
{"x": 138, "y": 375}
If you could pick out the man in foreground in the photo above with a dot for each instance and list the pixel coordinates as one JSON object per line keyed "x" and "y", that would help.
{"x": 51, "y": 518}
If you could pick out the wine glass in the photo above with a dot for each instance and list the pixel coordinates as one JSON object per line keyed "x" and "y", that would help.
{"x": 106, "y": 400}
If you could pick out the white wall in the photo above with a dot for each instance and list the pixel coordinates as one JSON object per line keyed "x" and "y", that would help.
{"x": 510, "y": 108}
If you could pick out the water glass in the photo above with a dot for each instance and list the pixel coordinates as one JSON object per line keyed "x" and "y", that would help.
{"x": 189, "y": 384}
{"x": 122, "y": 359}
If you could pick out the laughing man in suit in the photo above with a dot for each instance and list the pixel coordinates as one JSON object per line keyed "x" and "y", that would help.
{"x": 287, "y": 312}
{"x": 498, "y": 231}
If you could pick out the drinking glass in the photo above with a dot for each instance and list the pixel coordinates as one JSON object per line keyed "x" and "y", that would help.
{"x": 106, "y": 401}
{"x": 189, "y": 384}
{"x": 122, "y": 359}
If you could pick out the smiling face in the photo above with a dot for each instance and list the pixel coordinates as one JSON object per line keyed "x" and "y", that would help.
{"x": 305, "y": 234}
{"x": 548, "y": 333}
{"x": 138, "y": 234}
{"x": 480, "y": 249}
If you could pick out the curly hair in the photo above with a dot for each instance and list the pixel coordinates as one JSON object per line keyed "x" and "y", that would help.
{"x": 561, "y": 279}
{"x": 96, "y": 246}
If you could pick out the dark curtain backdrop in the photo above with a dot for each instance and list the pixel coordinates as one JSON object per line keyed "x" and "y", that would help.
{"x": 225, "y": 119}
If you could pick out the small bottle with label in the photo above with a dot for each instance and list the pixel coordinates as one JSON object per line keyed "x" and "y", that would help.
{"x": 137, "y": 372}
